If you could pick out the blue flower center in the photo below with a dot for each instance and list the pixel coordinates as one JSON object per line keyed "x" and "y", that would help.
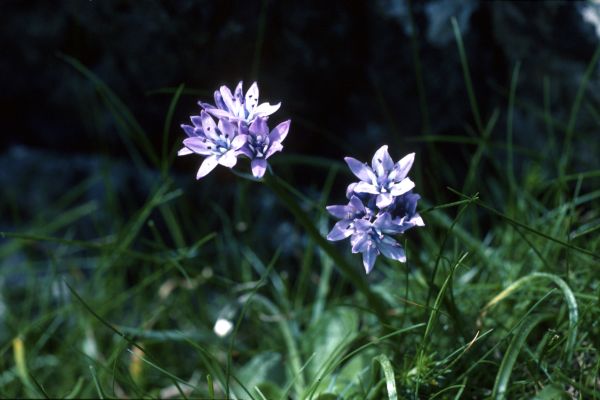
{"x": 259, "y": 145}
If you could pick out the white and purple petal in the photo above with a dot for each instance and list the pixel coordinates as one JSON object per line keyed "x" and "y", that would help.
{"x": 219, "y": 113}
{"x": 228, "y": 159}
{"x": 400, "y": 188}
{"x": 384, "y": 199}
{"x": 238, "y": 142}
{"x": 238, "y": 93}
{"x": 259, "y": 127}
{"x": 339, "y": 211}
{"x": 258, "y": 166}
{"x": 392, "y": 249}
{"x": 273, "y": 148}
{"x": 219, "y": 101}
{"x": 402, "y": 167}
{"x": 227, "y": 99}
{"x": 369, "y": 257}
{"x": 251, "y": 100}
{"x": 199, "y": 145}
{"x": 208, "y": 126}
{"x": 341, "y": 230}
{"x": 357, "y": 204}
{"x": 382, "y": 161}
{"x": 190, "y": 130}
{"x": 279, "y": 133}
{"x": 359, "y": 240}
{"x": 265, "y": 109}
{"x": 207, "y": 165}
{"x": 197, "y": 121}
{"x": 361, "y": 170}
{"x": 364, "y": 187}
{"x": 184, "y": 151}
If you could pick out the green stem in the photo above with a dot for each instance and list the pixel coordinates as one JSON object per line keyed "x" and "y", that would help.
{"x": 343, "y": 266}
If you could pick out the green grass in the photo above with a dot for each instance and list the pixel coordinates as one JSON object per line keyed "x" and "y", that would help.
{"x": 500, "y": 297}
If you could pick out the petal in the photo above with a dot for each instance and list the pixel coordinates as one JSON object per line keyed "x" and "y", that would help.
{"x": 402, "y": 167}
{"x": 409, "y": 203}
{"x": 238, "y": 142}
{"x": 273, "y": 148}
{"x": 361, "y": 170}
{"x": 340, "y": 231}
{"x": 208, "y": 126}
{"x": 338, "y": 211}
{"x": 238, "y": 93}
{"x": 207, "y": 165}
{"x": 227, "y": 98}
{"x": 259, "y": 166}
{"x": 392, "y": 249}
{"x": 384, "y": 199}
{"x": 198, "y": 145}
{"x": 259, "y": 127}
{"x": 402, "y": 187}
{"x": 382, "y": 161}
{"x": 417, "y": 220}
{"x": 196, "y": 120}
{"x": 219, "y": 100}
{"x": 227, "y": 128}
{"x": 218, "y": 113}
{"x": 228, "y": 159}
{"x": 369, "y": 257}
{"x": 364, "y": 187}
{"x": 243, "y": 128}
{"x": 280, "y": 132}
{"x": 184, "y": 152}
{"x": 251, "y": 98}
{"x": 350, "y": 190}
{"x": 362, "y": 225}
{"x": 206, "y": 106}
{"x": 386, "y": 224}
{"x": 357, "y": 204}
{"x": 359, "y": 241}
{"x": 266, "y": 109}
{"x": 189, "y": 130}
{"x": 245, "y": 150}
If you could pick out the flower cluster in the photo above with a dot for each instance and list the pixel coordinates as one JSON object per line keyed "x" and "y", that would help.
{"x": 380, "y": 204}
{"x": 241, "y": 130}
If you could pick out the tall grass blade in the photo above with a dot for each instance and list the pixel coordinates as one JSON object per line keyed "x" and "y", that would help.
{"x": 467, "y": 76}
{"x": 388, "y": 372}
{"x": 510, "y": 357}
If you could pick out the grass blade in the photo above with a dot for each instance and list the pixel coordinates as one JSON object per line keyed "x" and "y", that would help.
{"x": 510, "y": 357}
{"x": 388, "y": 372}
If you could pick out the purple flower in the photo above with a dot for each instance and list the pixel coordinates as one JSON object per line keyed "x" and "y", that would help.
{"x": 384, "y": 178}
{"x": 404, "y": 211}
{"x": 347, "y": 214}
{"x": 237, "y": 107}
{"x": 261, "y": 144}
{"x": 372, "y": 239}
{"x": 220, "y": 142}
{"x": 381, "y": 205}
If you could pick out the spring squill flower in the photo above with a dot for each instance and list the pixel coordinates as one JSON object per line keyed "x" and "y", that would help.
{"x": 373, "y": 238}
{"x": 381, "y": 205}
{"x": 262, "y": 144}
{"x": 384, "y": 178}
{"x": 220, "y": 142}
{"x": 237, "y": 107}
{"x": 347, "y": 214}
{"x": 404, "y": 211}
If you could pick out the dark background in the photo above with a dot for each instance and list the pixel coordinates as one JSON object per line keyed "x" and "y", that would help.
{"x": 343, "y": 70}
